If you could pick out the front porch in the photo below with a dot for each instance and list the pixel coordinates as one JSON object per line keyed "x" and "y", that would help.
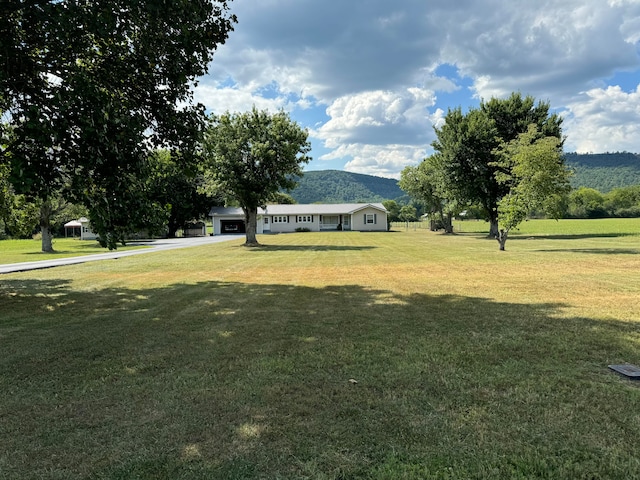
{"x": 335, "y": 222}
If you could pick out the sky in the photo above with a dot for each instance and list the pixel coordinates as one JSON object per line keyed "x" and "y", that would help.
{"x": 370, "y": 79}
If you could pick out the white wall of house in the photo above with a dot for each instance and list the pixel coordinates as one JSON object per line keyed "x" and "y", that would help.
{"x": 322, "y": 218}
{"x": 85, "y": 230}
{"x": 289, "y": 223}
{"x": 369, "y": 220}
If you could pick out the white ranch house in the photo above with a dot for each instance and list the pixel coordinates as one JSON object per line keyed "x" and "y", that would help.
{"x": 362, "y": 217}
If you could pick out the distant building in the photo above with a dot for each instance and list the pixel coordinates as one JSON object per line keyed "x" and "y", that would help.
{"x": 80, "y": 226}
{"x": 362, "y": 217}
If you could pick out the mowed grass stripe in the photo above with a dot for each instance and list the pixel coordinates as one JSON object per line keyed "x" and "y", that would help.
{"x": 227, "y": 362}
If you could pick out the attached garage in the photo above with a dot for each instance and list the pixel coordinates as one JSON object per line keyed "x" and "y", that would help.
{"x": 227, "y": 220}
{"x": 232, "y": 226}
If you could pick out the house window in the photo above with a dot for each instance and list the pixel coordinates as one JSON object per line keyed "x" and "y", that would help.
{"x": 305, "y": 218}
{"x": 280, "y": 219}
{"x": 370, "y": 218}
{"x": 330, "y": 219}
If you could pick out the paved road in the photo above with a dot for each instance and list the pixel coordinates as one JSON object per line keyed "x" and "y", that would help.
{"x": 155, "y": 245}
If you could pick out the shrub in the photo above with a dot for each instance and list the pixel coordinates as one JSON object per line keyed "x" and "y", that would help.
{"x": 631, "y": 212}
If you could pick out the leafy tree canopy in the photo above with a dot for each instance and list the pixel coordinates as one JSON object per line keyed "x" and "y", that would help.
{"x": 427, "y": 183}
{"x": 91, "y": 88}
{"x": 393, "y": 210}
{"x": 467, "y": 145}
{"x": 178, "y": 189}
{"x": 281, "y": 198}
{"x": 532, "y": 168}
{"x": 408, "y": 213}
{"x": 254, "y": 155}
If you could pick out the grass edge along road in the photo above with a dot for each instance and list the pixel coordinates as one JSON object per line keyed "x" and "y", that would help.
{"x": 406, "y": 354}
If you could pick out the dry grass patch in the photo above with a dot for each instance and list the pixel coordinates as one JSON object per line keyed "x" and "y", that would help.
{"x": 346, "y": 355}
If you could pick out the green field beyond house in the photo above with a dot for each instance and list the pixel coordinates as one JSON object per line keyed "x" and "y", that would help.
{"x": 400, "y": 355}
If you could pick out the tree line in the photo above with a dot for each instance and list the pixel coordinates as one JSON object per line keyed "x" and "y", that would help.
{"x": 89, "y": 91}
{"x": 583, "y": 202}
{"x": 97, "y": 112}
{"x": 623, "y": 202}
{"x": 97, "y": 115}
{"x": 604, "y": 171}
{"x": 504, "y": 158}
{"x": 337, "y": 186}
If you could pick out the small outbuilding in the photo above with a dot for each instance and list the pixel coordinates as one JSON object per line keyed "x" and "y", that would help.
{"x": 72, "y": 229}
{"x": 80, "y": 228}
{"x": 362, "y": 217}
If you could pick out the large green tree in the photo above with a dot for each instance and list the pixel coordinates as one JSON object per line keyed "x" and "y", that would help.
{"x": 467, "y": 145}
{"x": 179, "y": 188}
{"x": 254, "y": 155}
{"x": 532, "y": 168}
{"x": 393, "y": 210}
{"x": 426, "y": 184}
{"x": 92, "y": 87}
{"x": 624, "y": 201}
{"x": 586, "y": 202}
{"x": 18, "y": 216}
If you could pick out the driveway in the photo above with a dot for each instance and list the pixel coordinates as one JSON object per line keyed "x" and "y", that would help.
{"x": 154, "y": 246}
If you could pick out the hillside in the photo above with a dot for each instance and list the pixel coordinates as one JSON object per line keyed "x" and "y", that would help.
{"x": 604, "y": 171}
{"x": 336, "y": 186}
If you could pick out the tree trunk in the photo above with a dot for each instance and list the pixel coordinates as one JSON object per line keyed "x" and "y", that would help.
{"x": 172, "y": 228}
{"x": 251, "y": 221}
{"x": 502, "y": 238}
{"x": 493, "y": 228}
{"x": 45, "y": 226}
{"x": 447, "y": 224}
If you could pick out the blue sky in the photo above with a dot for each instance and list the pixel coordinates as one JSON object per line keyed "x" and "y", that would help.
{"x": 370, "y": 79}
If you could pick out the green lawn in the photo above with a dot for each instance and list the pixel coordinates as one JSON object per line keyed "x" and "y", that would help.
{"x": 17, "y": 251}
{"x": 567, "y": 227}
{"x": 400, "y": 355}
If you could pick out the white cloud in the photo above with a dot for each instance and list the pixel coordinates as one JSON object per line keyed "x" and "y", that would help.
{"x": 604, "y": 120}
{"x": 372, "y": 65}
{"x": 379, "y": 117}
{"x": 550, "y": 50}
{"x": 380, "y": 160}
{"x": 380, "y": 132}
{"x": 328, "y": 49}
{"x": 233, "y": 99}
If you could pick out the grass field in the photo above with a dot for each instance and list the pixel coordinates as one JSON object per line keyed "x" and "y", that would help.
{"x": 17, "y": 251}
{"x": 400, "y": 355}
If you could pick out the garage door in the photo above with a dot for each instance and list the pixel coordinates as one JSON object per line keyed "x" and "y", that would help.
{"x": 232, "y": 226}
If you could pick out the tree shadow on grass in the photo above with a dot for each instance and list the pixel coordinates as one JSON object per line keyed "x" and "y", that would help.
{"x": 523, "y": 236}
{"x": 585, "y": 236}
{"x": 600, "y": 251}
{"x": 319, "y": 248}
{"x": 237, "y": 380}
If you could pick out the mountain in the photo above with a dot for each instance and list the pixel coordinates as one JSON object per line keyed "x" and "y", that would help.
{"x": 337, "y": 186}
{"x": 604, "y": 171}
